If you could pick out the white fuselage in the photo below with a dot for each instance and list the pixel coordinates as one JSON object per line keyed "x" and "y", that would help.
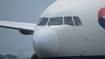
{"x": 87, "y": 39}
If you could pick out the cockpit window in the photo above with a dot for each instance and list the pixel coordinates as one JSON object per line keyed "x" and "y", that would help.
{"x": 77, "y": 21}
{"x": 68, "y": 21}
{"x": 55, "y": 21}
{"x": 43, "y": 21}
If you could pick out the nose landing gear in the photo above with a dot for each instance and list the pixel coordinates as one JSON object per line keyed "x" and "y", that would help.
{"x": 34, "y": 56}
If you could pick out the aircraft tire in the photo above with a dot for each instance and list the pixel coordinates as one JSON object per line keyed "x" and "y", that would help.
{"x": 34, "y": 56}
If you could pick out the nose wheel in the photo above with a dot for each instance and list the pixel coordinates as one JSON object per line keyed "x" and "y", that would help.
{"x": 34, "y": 56}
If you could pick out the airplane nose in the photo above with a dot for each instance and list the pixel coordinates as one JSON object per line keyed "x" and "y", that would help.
{"x": 46, "y": 42}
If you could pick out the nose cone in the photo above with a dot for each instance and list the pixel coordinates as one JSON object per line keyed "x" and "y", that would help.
{"x": 46, "y": 42}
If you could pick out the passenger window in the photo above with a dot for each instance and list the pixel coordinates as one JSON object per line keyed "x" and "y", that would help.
{"x": 68, "y": 21}
{"x": 77, "y": 21}
{"x": 43, "y": 22}
{"x": 56, "y": 21}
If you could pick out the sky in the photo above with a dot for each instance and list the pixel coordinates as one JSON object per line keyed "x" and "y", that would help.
{"x": 29, "y": 11}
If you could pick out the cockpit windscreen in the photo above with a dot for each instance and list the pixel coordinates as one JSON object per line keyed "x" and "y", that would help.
{"x": 43, "y": 22}
{"x": 68, "y": 21}
{"x": 56, "y": 21}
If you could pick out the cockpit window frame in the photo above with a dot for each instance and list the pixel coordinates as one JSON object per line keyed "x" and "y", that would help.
{"x": 63, "y": 21}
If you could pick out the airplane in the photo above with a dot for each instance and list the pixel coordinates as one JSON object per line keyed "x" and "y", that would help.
{"x": 67, "y": 29}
